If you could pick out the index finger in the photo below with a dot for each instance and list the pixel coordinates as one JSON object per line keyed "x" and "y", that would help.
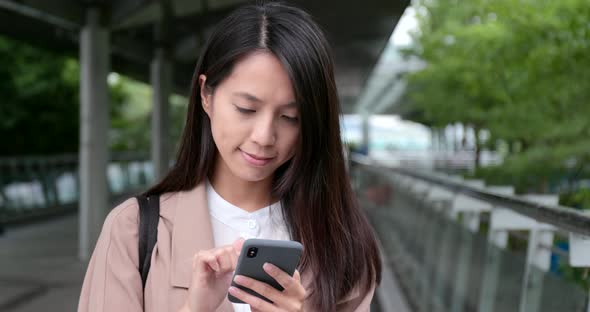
{"x": 238, "y": 245}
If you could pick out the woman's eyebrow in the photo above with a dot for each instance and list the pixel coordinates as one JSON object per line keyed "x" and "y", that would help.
{"x": 248, "y": 97}
{"x": 253, "y": 98}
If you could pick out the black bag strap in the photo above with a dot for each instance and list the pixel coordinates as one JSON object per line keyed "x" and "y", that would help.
{"x": 149, "y": 215}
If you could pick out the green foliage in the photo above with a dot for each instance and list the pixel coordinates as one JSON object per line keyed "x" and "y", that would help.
{"x": 129, "y": 128}
{"x": 40, "y": 100}
{"x": 40, "y": 107}
{"x": 519, "y": 69}
{"x": 579, "y": 199}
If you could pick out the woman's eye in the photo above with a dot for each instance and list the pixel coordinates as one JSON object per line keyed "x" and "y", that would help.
{"x": 245, "y": 110}
{"x": 289, "y": 118}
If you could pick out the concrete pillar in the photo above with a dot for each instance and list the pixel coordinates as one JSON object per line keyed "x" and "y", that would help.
{"x": 434, "y": 139}
{"x": 161, "y": 79}
{"x": 94, "y": 125}
{"x": 365, "y": 130}
{"x": 442, "y": 139}
{"x": 457, "y": 137}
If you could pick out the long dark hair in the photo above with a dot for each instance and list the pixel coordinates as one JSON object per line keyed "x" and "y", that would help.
{"x": 319, "y": 206}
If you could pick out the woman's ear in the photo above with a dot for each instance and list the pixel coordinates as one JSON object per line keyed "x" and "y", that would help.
{"x": 205, "y": 95}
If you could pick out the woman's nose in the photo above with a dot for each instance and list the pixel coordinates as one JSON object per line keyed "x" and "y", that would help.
{"x": 264, "y": 133}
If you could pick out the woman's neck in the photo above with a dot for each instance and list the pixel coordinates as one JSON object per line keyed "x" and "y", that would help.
{"x": 248, "y": 195}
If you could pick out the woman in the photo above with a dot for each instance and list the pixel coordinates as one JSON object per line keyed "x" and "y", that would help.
{"x": 260, "y": 156}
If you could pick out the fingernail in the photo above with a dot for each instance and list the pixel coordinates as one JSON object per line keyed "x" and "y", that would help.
{"x": 268, "y": 267}
{"x": 239, "y": 279}
{"x": 233, "y": 289}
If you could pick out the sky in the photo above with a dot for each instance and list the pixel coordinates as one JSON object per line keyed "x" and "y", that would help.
{"x": 407, "y": 23}
{"x": 388, "y": 131}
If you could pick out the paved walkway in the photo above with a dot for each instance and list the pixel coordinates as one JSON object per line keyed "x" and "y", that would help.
{"x": 39, "y": 268}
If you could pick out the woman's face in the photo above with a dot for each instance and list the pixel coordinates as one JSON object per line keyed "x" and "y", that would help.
{"x": 254, "y": 118}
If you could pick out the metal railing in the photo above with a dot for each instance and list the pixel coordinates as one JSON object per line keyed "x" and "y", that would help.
{"x": 37, "y": 187}
{"x": 457, "y": 245}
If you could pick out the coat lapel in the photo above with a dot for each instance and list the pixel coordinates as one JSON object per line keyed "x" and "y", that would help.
{"x": 192, "y": 232}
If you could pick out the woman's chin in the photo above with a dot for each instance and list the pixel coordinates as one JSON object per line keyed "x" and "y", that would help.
{"x": 250, "y": 176}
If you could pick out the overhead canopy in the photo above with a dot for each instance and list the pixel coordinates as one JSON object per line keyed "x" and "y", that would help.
{"x": 357, "y": 30}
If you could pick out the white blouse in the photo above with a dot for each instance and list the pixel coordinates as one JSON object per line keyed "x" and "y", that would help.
{"x": 230, "y": 222}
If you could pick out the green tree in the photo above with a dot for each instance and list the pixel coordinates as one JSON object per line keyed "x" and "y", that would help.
{"x": 39, "y": 107}
{"x": 516, "y": 68}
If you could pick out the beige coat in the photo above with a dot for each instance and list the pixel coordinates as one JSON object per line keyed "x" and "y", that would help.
{"x": 113, "y": 283}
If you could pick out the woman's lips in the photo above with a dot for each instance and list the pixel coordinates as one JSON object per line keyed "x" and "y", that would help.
{"x": 255, "y": 159}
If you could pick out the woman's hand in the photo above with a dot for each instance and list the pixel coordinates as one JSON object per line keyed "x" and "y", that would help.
{"x": 289, "y": 300}
{"x": 212, "y": 272}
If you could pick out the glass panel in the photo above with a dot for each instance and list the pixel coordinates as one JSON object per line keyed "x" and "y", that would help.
{"x": 559, "y": 294}
{"x": 432, "y": 254}
{"x": 479, "y": 245}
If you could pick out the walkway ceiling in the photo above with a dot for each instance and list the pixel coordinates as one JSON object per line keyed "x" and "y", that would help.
{"x": 357, "y": 30}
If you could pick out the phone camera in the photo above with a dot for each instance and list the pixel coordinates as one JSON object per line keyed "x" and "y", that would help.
{"x": 252, "y": 252}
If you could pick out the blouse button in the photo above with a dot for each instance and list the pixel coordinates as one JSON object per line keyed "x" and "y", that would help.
{"x": 252, "y": 224}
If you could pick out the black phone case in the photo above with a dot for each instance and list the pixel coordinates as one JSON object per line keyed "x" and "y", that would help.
{"x": 282, "y": 253}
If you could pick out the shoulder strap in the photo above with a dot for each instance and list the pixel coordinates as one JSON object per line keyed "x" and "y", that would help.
{"x": 149, "y": 215}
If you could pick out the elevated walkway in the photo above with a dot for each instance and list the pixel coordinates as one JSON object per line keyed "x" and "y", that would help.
{"x": 448, "y": 244}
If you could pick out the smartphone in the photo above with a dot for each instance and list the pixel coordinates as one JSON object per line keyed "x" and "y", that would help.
{"x": 284, "y": 254}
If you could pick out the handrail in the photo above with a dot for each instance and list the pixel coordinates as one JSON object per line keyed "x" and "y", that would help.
{"x": 65, "y": 158}
{"x": 29, "y": 187}
{"x": 562, "y": 217}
